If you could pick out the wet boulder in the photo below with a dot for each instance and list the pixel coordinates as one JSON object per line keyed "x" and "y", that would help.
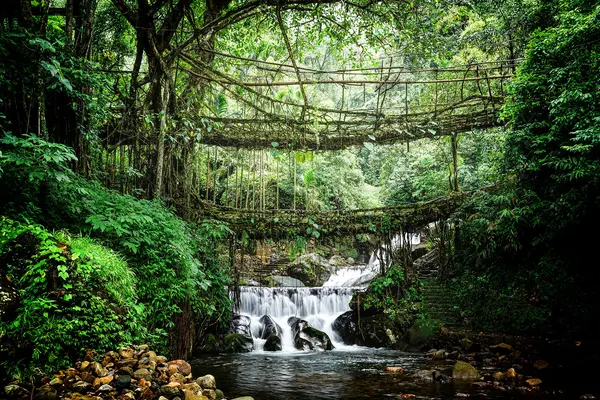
{"x": 241, "y": 324}
{"x": 270, "y": 331}
{"x": 440, "y": 377}
{"x": 311, "y": 268}
{"x": 346, "y": 328}
{"x": 273, "y": 343}
{"x": 238, "y": 343}
{"x": 308, "y": 338}
{"x": 464, "y": 371}
{"x": 417, "y": 338}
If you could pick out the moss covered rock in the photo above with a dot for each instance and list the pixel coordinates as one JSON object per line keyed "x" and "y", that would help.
{"x": 237, "y": 343}
{"x": 312, "y": 269}
{"x": 308, "y": 338}
{"x": 464, "y": 371}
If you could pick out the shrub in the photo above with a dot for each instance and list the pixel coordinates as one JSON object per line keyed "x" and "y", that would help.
{"x": 74, "y": 294}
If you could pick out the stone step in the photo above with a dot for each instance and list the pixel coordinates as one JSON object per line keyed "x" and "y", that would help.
{"x": 441, "y": 293}
{"x": 437, "y": 299}
{"x": 441, "y": 306}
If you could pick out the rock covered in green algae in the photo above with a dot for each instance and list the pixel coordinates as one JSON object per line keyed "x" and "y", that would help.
{"x": 464, "y": 371}
{"x": 238, "y": 343}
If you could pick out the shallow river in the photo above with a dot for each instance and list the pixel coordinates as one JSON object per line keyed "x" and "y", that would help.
{"x": 350, "y": 373}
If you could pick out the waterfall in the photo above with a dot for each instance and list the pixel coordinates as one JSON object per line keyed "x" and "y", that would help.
{"x": 319, "y": 306}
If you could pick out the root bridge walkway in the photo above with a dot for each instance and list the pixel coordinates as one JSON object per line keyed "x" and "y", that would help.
{"x": 345, "y": 108}
{"x": 289, "y": 223}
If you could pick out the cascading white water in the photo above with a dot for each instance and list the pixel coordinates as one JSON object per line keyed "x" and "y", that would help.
{"x": 319, "y": 306}
{"x": 356, "y": 276}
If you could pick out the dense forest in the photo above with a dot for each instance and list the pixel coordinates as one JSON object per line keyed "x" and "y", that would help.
{"x": 130, "y": 129}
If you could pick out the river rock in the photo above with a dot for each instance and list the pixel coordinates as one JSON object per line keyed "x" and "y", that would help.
{"x": 466, "y": 344}
{"x": 464, "y": 371}
{"x": 106, "y": 388}
{"x": 81, "y": 386}
{"x": 238, "y": 343}
{"x": 193, "y": 387}
{"x": 439, "y": 355}
{"x": 149, "y": 383}
{"x": 345, "y": 326}
{"x": 273, "y": 343}
{"x": 207, "y": 382}
{"x": 541, "y": 364}
{"x": 176, "y": 377}
{"x": 87, "y": 377}
{"x": 425, "y": 375}
{"x": 172, "y": 389}
{"x": 502, "y": 349}
{"x": 271, "y": 332}
{"x": 182, "y": 366}
{"x": 442, "y": 378}
{"x": 123, "y": 381}
{"x": 533, "y": 382}
{"x": 394, "y": 369}
{"x": 308, "y": 338}
{"x": 510, "y": 374}
{"x": 143, "y": 373}
{"x": 241, "y": 324}
{"x": 46, "y": 392}
{"x": 14, "y": 391}
{"x": 244, "y": 398}
{"x": 219, "y": 394}
{"x": 310, "y": 268}
{"x": 125, "y": 371}
{"x": 126, "y": 353}
{"x": 56, "y": 382}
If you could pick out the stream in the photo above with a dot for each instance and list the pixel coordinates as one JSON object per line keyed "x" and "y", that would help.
{"x": 353, "y": 372}
{"x": 347, "y": 372}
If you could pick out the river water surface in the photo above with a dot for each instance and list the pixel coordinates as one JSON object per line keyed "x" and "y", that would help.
{"x": 348, "y": 373}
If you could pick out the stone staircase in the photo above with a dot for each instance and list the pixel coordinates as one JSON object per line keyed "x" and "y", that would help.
{"x": 437, "y": 302}
{"x": 261, "y": 271}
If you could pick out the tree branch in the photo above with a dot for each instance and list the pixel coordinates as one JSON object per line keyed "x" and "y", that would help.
{"x": 293, "y": 59}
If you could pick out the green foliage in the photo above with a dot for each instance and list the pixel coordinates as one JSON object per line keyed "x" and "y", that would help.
{"x": 423, "y": 171}
{"x": 37, "y": 158}
{"x": 520, "y": 250}
{"x": 74, "y": 293}
{"x": 389, "y": 293}
{"x": 554, "y": 106}
{"x": 176, "y": 263}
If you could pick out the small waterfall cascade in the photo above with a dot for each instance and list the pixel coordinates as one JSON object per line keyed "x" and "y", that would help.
{"x": 319, "y": 306}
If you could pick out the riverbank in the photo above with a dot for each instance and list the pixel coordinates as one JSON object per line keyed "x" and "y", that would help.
{"x": 130, "y": 373}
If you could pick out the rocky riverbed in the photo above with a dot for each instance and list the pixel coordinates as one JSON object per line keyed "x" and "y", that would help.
{"x": 127, "y": 374}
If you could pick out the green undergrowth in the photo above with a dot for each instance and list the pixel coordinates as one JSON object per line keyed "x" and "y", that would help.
{"x": 390, "y": 293}
{"x": 179, "y": 267}
{"x": 74, "y": 294}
